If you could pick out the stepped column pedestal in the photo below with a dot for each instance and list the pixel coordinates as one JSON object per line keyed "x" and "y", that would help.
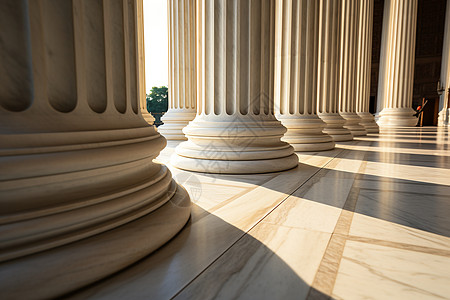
{"x": 80, "y": 195}
{"x": 328, "y": 70}
{"x": 296, "y": 59}
{"x": 235, "y": 130}
{"x": 348, "y": 67}
{"x": 364, "y": 65}
{"x": 397, "y": 64}
{"x": 182, "y": 69}
{"x": 444, "y": 100}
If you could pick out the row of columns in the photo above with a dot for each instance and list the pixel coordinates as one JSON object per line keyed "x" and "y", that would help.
{"x": 321, "y": 52}
{"x": 304, "y": 63}
{"x": 80, "y": 195}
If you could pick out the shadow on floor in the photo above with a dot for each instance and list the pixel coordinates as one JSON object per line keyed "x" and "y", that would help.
{"x": 236, "y": 265}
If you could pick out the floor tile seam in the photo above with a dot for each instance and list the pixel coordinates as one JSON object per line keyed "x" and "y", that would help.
{"x": 330, "y": 260}
{"x": 224, "y": 203}
{"x": 405, "y": 192}
{"x": 398, "y": 245}
{"x": 253, "y": 226}
{"x": 264, "y": 222}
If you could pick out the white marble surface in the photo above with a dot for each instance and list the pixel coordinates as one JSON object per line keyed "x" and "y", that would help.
{"x": 370, "y": 271}
{"x": 367, "y": 220}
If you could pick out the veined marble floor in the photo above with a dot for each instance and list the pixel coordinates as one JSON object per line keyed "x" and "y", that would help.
{"x": 367, "y": 220}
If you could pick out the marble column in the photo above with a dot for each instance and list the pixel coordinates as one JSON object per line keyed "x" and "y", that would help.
{"x": 444, "y": 109}
{"x": 328, "y": 70}
{"x": 296, "y": 62}
{"x": 397, "y": 64}
{"x": 142, "y": 94}
{"x": 235, "y": 130}
{"x": 182, "y": 74}
{"x": 80, "y": 195}
{"x": 349, "y": 67}
{"x": 364, "y": 65}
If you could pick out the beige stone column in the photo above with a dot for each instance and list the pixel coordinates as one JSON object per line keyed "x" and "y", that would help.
{"x": 364, "y": 65}
{"x": 142, "y": 94}
{"x": 328, "y": 70}
{"x": 182, "y": 74}
{"x": 80, "y": 195}
{"x": 235, "y": 130}
{"x": 397, "y": 64}
{"x": 444, "y": 109}
{"x": 349, "y": 67}
{"x": 296, "y": 62}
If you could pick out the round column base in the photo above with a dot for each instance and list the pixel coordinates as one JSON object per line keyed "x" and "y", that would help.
{"x": 242, "y": 144}
{"x": 61, "y": 270}
{"x": 397, "y": 117}
{"x": 352, "y": 121}
{"x": 174, "y": 122}
{"x": 235, "y": 166}
{"x": 334, "y": 127}
{"x": 304, "y": 133}
{"x": 303, "y": 146}
{"x": 368, "y": 121}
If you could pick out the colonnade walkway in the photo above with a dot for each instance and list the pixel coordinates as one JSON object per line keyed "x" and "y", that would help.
{"x": 368, "y": 219}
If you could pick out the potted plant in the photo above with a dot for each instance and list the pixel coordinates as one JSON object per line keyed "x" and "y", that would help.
{"x": 158, "y": 103}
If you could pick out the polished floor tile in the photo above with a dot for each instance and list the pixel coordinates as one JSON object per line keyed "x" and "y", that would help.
{"x": 367, "y": 220}
{"x": 370, "y": 271}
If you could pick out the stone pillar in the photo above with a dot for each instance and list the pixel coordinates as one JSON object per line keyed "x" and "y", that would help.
{"x": 397, "y": 64}
{"x": 328, "y": 70}
{"x": 142, "y": 94}
{"x": 296, "y": 61}
{"x": 80, "y": 196}
{"x": 349, "y": 67}
{"x": 364, "y": 65}
{"x": 444, "y": 109}
{"x": 235, "y": 130}
{"x": 182, "y": 74}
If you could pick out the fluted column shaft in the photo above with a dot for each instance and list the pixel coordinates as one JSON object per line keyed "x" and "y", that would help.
{"x": 349, "y": 66}
{"x": 142, "y": 94}
{"x": 296, "y": 62}
{"x": 364, "y": 65}
{"x": 397, "y": 64}
{"x": 182, "y": 69}
{"x": 235, "y": 130}
{"x": 444, "y": 109}
{"x": 328, "y": 70}
{"x": 80, "y": 196}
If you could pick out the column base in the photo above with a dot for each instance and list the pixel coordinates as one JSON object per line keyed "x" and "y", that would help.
{"x": 234, "y": 145}
{"x": 304, "y": 133}
{"x": 334, "y": 127}
{"x": 80, "y": 206}
{"x": 174, "y": 122}
{"x": 56, "y": 272}
{"x": 397, "y": 117}
{"x": 368, "y": 121}
{"x": 352, "y": 121}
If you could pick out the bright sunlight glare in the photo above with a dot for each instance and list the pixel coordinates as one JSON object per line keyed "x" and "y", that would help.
{"x": 156, "y": 43}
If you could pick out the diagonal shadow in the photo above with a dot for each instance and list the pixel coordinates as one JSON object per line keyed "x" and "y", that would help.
{"x": 236, "y": 265}
{"x": 211, "y": 258}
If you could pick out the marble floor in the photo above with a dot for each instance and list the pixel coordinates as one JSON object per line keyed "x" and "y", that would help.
{"x": 367, "y": 220}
